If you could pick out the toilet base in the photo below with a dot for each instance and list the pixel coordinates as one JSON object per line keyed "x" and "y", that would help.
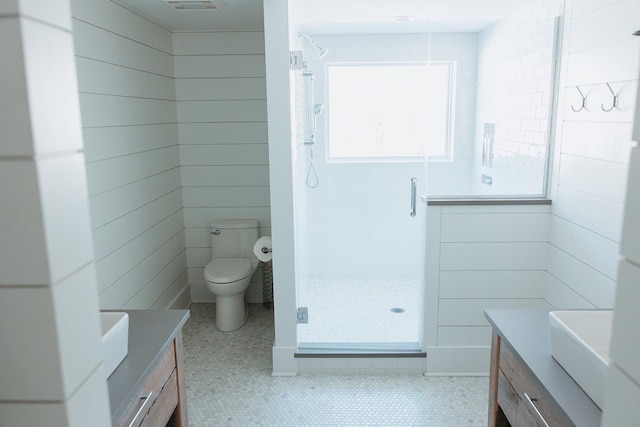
{"x": 231, "y": 312}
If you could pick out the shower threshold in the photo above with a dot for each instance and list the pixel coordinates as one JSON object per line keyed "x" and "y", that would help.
{"x": 360, "y": 350}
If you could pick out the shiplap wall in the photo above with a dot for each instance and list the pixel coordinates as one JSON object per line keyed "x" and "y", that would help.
{"x": 222, "y": 114}
{"x": 592, "y": 152}
{"x": 127, "y": 96}
{"x": 479, "y": 257}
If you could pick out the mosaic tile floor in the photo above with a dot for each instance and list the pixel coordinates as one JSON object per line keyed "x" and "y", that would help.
{"x": 360, "y": 310}
{"x": 229, "y": 383}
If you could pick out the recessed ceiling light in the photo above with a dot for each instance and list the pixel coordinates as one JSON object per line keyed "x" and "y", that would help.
{"x": 402, "y": 18}
{"x": 196, "y": 5}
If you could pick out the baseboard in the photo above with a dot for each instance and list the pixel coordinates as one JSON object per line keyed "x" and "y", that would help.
{"x": 284, "y": 363}
{"x": 458, "y": 361}
{"x": 361, "y": 365}
{"x": 182, "y": 300}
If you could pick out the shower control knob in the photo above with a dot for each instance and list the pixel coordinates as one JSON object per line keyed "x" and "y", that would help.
{"x": 216, "y": 233}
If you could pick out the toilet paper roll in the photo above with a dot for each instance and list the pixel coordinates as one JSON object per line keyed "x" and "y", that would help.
{"x": 263, "y": 242}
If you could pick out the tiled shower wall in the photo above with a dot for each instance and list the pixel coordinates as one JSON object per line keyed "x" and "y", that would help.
{"x": 515, "y": 78}
{"x": 127, "y": 96}
{"x": 222, "y": 115}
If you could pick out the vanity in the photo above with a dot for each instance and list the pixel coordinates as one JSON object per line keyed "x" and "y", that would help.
{"x": 148, "y": 387}
{"x": 527, "y": 387}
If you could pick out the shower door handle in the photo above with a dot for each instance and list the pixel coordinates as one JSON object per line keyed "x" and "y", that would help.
{"x": 413, "y": 196}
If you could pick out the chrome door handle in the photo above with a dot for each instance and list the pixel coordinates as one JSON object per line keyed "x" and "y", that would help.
{"x": 413, "y": 196}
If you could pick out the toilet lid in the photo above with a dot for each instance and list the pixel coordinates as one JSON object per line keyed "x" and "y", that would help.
{"x": 227, "y": 270}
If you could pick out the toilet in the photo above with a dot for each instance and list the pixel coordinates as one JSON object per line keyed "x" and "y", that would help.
{"x": 229, "y": 273}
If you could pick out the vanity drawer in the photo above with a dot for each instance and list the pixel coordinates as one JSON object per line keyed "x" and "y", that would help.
{"x": 530, "y": 395}
{"x": 512, "y": 405}
{"x": 162, "y": 408}
{"x": 159, "y": 376}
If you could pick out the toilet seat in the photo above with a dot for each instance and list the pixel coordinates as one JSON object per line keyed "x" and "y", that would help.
{"x": 227, "y": 270}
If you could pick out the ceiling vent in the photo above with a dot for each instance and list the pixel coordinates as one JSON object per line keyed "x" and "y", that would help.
{"x": 196, "y": 5}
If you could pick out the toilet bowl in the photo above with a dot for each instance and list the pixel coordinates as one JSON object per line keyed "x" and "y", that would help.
{"x": 229, "y": 273}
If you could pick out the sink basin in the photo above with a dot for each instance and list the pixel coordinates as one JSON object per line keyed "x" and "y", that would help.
{"x": 115, "y": 339}
{"x": 579, "y": 342}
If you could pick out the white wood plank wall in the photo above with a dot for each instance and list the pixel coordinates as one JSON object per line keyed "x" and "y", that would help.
{"x": 592, "y": 152}
{"x": 221, "y": 94}
{"x": 479, "y": 257}
{"x": 127, "y": 95}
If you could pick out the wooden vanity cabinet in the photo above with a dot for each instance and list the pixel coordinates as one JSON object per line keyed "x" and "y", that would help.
{"x": 527, "y": 387}
{"x": 160, "y": 399}
{"x": 148, "y": 388}
{"x": 516, "y": 399}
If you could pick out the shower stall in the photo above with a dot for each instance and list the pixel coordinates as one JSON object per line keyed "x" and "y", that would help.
{"x": 360, "y": 221}
{"x": 367, "y": 110}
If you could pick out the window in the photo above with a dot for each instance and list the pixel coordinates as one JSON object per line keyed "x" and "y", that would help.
{"x": 390, "y": 111}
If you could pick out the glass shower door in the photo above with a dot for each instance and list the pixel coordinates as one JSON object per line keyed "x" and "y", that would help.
{"x": 361, "y": 269}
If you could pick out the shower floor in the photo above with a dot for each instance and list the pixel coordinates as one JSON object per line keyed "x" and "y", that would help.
{"x": 361, "y": 313}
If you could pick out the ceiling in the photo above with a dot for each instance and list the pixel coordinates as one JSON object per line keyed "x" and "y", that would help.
{"x": 236, "y": 15}
{"x": 336, "y": 16}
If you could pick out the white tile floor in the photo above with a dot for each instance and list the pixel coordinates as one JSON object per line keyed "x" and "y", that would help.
{"x": 352, "y": 311}
{"x": 229, "y": 382}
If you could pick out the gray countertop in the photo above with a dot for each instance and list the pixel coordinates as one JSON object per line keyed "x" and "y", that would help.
{"x": 527, "y": 333}
{"x": 150, "y": 333}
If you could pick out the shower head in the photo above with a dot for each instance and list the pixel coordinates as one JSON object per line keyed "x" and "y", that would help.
{"x": 321, "y": 52}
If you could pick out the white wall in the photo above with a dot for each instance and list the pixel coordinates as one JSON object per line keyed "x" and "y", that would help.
{"x": 479, "y": 257}
{"x": 622, "y": 399}
{"x": 127, "y": 96}
{"x": 592, "y": 152}
{"x": 49, "y": 327}
{"x": 222, "y": 115}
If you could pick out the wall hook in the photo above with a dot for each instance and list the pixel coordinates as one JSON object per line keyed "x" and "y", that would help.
{"x": 615, "y": 100}
{"x": 584, "y": 102}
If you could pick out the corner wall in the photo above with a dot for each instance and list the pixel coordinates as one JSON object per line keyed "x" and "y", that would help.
{"x": 127, "y": 96}
{"x": 49, "y": 326}
{"x": 222, "y": 122}
{"x": 592, "y": 152}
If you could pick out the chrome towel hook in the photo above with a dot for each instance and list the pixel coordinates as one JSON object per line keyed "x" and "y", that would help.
{"x": 584, "y": 102}
{"x": 615, "y": 100}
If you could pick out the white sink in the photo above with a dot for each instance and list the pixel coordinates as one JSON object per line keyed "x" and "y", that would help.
{"x": 115, "y": 339}
{"x": 580, "y": 344}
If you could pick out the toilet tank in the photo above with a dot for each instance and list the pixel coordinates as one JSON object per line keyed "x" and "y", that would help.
{"x": 234, "y": 238}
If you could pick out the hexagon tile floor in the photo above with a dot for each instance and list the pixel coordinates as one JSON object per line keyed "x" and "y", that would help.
{"x": 229, "y": 383}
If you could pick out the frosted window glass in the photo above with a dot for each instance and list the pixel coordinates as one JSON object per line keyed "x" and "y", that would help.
{"x": 390, "y": 111}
